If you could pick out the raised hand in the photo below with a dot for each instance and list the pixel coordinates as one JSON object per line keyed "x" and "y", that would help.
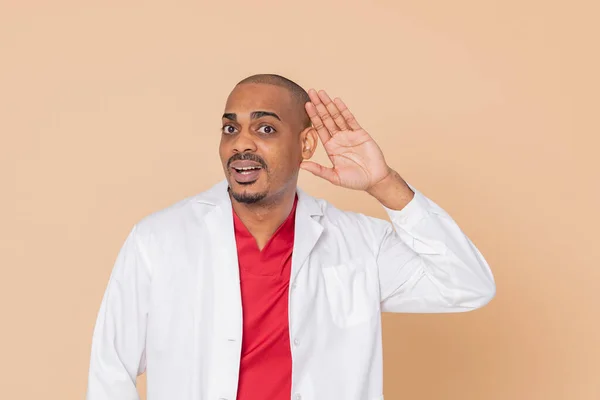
{"x": 358, "y": 162}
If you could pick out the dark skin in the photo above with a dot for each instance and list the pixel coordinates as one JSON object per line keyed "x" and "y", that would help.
{"x": 264, "y": 124}
{"x": 265, "y": 121}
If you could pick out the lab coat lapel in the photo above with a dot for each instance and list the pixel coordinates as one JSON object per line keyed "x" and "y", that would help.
{"x": 308, "y": 229}
{"x": 223, "y": 250}
{"x": 219, "y": 222}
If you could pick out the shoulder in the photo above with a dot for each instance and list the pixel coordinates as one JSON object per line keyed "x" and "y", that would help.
{"x": 181, "y": 215}
{"x": 351, "y": 224}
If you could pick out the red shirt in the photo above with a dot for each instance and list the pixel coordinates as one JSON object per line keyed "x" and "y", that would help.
{"x": 266, "y": 359}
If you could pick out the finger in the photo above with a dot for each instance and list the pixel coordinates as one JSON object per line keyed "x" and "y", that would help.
{"x": 323, "y": 113}
{"x": 322, "y": 172}
{"x": 322, "y": 131}
{"x": 348, "y": 117}
{"x": 333, "y": 111}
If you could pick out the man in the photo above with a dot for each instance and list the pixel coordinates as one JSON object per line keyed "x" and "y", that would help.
{"x": 254, "y": 290}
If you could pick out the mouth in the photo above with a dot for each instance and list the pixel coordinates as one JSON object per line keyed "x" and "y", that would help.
{"x": 247, "y": 174}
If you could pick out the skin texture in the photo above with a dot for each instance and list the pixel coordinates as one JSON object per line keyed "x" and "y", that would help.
{"x": 265, "y": 125}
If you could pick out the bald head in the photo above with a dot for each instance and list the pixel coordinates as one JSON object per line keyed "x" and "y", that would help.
{"x": 298, "y": 95}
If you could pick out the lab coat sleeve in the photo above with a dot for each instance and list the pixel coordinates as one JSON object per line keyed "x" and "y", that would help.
{"x": 118, "y": 342}
{"x": 426, "y": 264}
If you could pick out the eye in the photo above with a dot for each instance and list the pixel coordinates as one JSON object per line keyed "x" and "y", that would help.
{"x": 228, "y": 129}
{"x": 266, "y": 129}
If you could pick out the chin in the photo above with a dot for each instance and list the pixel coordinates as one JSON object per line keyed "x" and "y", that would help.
{"x": 247, "y": 193}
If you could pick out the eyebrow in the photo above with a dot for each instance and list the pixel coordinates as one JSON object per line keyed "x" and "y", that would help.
{"x": 253, "y": 115}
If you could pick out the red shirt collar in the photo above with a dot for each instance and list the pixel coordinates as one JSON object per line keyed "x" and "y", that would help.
{"x": 284, "y": 233}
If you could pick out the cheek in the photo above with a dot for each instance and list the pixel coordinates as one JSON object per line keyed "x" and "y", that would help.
{"x": 224, "y": 152}
{"x": 284, "y": 163}
{"x": 282, "y": 158}
{"x": 293, "y": 155}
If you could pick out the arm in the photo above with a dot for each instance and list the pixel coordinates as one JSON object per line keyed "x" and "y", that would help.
{"x": 118, "y": 342}
{"x": 426, "y": 263}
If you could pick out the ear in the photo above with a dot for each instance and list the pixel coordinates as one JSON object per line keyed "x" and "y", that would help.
{"x": 308, "y": 141}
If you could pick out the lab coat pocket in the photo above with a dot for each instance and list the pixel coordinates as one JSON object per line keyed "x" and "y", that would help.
{"x": 351, "y": 290}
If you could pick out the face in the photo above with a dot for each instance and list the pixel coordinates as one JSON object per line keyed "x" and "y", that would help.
{"x": 263, "y": 142}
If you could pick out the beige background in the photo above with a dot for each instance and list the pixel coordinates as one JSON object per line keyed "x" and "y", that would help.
{"x": 111, "y": 110}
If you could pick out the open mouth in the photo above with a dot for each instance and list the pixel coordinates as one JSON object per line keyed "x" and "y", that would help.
{"x": 246, "y": 170}
{"x": 246, "y": 175}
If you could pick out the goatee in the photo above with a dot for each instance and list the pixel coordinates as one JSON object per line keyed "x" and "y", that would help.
{"x": 247, "y": 198}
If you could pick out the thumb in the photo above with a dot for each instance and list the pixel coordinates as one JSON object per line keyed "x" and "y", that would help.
{"x": 328, "y": 174}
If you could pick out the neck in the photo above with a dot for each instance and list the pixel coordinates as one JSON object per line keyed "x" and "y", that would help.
{"x": 262, "y": 219}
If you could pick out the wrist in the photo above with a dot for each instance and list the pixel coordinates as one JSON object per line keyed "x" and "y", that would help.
{"x": 392, "y": 191}
{"x": 380, "y": 186}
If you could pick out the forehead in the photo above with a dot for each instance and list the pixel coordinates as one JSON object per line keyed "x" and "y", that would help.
{"x": 249, "y": 97}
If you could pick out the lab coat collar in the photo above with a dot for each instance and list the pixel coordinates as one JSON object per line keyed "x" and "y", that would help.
{"x": 217, "y": 196}
{"x": 308, "y": 228}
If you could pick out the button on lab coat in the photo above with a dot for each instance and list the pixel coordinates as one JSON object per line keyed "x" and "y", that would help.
{"x": 172, "y": 306}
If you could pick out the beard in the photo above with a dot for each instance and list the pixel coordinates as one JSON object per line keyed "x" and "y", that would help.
{"x": 247, "y": 198}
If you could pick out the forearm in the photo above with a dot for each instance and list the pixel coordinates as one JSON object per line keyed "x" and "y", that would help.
{"x": 449, "y": 275}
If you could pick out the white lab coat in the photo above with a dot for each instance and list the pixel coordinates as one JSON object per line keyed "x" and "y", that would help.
{"x": 172, "y": 306}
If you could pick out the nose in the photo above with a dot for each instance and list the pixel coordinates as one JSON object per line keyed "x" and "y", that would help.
{"x": 244, "y": 142}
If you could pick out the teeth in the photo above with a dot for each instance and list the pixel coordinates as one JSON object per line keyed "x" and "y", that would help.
{"x": 247, "y": 168}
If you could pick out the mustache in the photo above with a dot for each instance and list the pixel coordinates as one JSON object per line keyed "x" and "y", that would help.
{"x": 247, "y": 157}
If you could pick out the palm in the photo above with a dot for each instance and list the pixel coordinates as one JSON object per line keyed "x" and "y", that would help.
{"x": 357, "y": 161}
